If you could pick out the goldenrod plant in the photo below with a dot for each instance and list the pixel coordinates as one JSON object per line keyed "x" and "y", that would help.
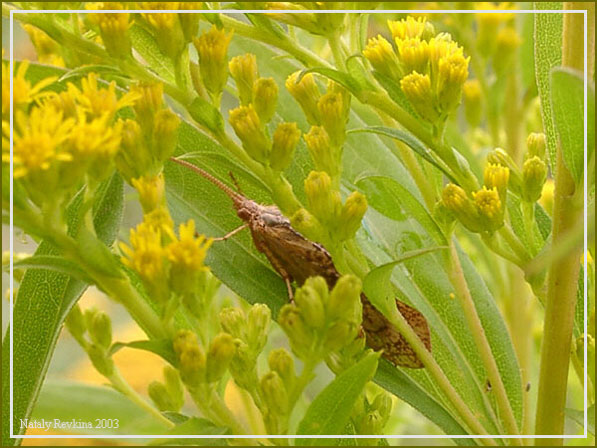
{"x": 417, "y": 265}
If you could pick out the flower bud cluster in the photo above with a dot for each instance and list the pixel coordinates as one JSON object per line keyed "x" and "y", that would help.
{"x": 321, "y": 321}
{"x": 92, "y": 329}
{"x": 431, "y": 69}
{"x": 328, "y": 220}
{"x": 150, "y": 139}
{"x": 113, "y": 27}
{"x": 198, "y": 367}
{"x": 249, "y": 333}
{"x": 258, "y": 101}
{"x": 169, "y": 395}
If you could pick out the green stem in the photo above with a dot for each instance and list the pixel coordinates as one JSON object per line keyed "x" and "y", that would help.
{"x": 122, "y": 386}
{"x": 336, "y": 46}
{"x": 517, "y": 247}
{"x": 562, "y": 278}
{"x": 458, "y": 279}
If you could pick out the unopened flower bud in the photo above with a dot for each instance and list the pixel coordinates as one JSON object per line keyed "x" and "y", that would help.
{"x": 134, "y": 159}
{"x": 351, "y": 216}
{"x": 320, "y": 149}
{"x": 417, "y": 89}
{"x": 160, "y": 397}
{"x": 258, "y": 322}
{"x": 282, "y": 363}
{"x": 456, "y": 201}
{"x": 307, "y": 224}
{"x": 244, "y": 71}
{"x": 381, "y": 55}
{"x": 102, "y": 363}
{"x": 101, "y": 330}
{"x": 413, "y": 54}
{"x": 165, "y": 134}
{"x": 168, "y": 33}
{"x": 307, "y": 94}
{"x": 249, "y": 129}
{"x": 501, "y": 157}
{"x": 184, "y": 340}
{"x": 75, "y": 322}
{"x": 324, "y": 202}
{"x": 345, "y": 300}
{"x": 189, "y": 22}
{"x": 370, "y": 423}
{"x": 534, "y": 173}
{"x": 151, "y": 191}
{"x": 88, "y": 316}
{"x": 233, "y": 322}
{"x": 174, "y": 386}
{"x": 311, "y": 306}
{"x": 299, "y": 334}
{"x": 536, "y": 145}
{"x": 473, "y": 107}
{"x": 340, "y": 333}
{"x": 333, "y": 117}
{"x": 242, "y": 366}
{"x": 212, "y": 48}
{"x": 490, "y": 207}
{"x": 286, "y": 137}
{"x": 114, "y": 31}
{"x": 149, "y": 102}
{"x": 274, "y": 393}
{"x": 192, "y": 366}
{"x": 220, "y": 353}
{"x": 383, "y": 404}
{"x": 265, "y": 98}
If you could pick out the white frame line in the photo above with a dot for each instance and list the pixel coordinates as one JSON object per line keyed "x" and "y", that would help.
{"x": 253, "y": 436}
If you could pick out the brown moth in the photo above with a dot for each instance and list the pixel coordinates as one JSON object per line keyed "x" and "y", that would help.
{"x": 296, "y": 258}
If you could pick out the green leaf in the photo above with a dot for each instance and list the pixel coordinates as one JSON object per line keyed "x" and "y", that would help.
{"x": 194, "y": 425}
{"x": 161, "y": 347}
{"x": 567, "y": 101}
{"x": 578, "y": 416}
{"x": 44, "y": 299}
{"x": 355, "y": 86}
{"x": 397, "y": 382}
{"x": 405, "y": 137}
{"x": 71, "y": 400}
{"x": 330, "y": 410}
{"x": 548, "y": 54}
{"x": 144, "y": 44}
{"x": 54, "y": 263}
{"x": 393, "y": 200}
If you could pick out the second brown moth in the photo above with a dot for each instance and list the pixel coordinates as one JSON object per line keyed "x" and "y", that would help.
{"x": 296, "y": 258}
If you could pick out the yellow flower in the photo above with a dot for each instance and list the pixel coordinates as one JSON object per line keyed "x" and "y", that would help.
{"x": 407, "y": 28}
{"x": 497, "y": 176}
{"x": 381, "y": 55}
{"x": 159, "y": 219}
{"x": 38, "y": 140}
{"x": 145, "y": 255}
{"x": 212, "y": 48}
{"x": 490, "y": 208}
{"x": 187, "y": 254}
{"x": 265, "y": 98}
{"x": 47, "y": 49}
{"x": 333, "y": 116}
{"x": 456, "y": 201}
{"x": 534, "y": 173}
{"x": 95, "y": 138}
{"x": 417, "y": 88}
{"x": 285, "y": 139}
{"x": 324, "y": 202}
{"x": 151, "y": 191}
{"x": 413, "y": 54}
{"x": 453, "y": 71}
{"x": 22, "y": 90}
{"x": 97, "y": 101}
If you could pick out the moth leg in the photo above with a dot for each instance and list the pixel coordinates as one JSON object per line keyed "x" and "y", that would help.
{"x": 289, "y": 288}
{"x": 232, "y": 233}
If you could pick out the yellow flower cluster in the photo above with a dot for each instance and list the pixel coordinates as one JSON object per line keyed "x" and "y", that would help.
{"x": 166, "y": 262}
{"x": 60, "y": 137}
{"x": 431, "y": 68}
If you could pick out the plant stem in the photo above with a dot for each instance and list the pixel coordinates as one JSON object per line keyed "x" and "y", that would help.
{"x": 562, "y": 278}
{"x": 458, "y": 279}
{"x": 122, "y": 386}
{"x": 336, "y": 47}
{"x": 517, "y": 247}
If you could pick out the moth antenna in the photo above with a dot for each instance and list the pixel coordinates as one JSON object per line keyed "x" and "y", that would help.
{"x": 218, "y": 183}
{"x": 236, "y": 184}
